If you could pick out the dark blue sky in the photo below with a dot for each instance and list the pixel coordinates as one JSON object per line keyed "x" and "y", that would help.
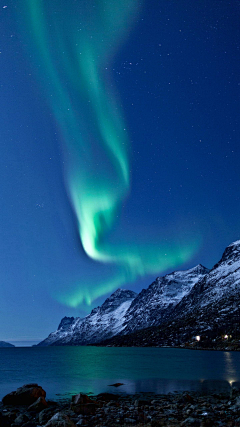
{"x": 177, "y": 82}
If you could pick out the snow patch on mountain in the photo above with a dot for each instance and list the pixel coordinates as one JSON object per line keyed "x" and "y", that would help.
{"x": 218, "y": 291}
{"x": 103, "y": 322}
{"x": 154, "y": 305}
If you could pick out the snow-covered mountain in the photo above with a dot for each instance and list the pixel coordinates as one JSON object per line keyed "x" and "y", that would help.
{"x": 219, "y": 291}
{"x": 183, "y": 302}
{"x": 125, "y": 311}
{"x": 102, "y": 323}
{"x": 154, "y": 305}
{"x": 211, "y": 309}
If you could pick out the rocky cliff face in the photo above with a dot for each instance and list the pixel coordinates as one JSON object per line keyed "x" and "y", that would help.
{"x": 210, "y": 310}
{"x": 156, "y": 303}
{"x": 103, "y": 322}
{"x": 125, "y": 311}
{"x": 217, "y": 295}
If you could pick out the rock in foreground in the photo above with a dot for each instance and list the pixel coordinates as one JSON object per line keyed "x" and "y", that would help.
{"x": 25, "y": 395}
{"x": 148, "y": 410}
{"x": 60, "y": 419}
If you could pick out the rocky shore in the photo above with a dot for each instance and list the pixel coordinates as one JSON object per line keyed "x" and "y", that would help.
{"x": 28, "y": 407}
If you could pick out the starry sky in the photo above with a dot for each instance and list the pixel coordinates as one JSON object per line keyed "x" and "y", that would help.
{"x": 119, "y": 133}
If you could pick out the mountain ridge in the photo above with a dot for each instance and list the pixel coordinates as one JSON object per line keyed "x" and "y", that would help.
{"x": 101, "y": 323}
{"x": 210, "y": 310}
{"x": 180, "y": 304}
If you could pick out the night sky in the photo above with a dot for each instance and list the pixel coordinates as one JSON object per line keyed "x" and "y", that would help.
{"x": 120, "y": 155}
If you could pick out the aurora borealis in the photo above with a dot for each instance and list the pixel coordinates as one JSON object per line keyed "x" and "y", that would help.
{"x": 135, "y": 108}
{"x": 75, "y": 43}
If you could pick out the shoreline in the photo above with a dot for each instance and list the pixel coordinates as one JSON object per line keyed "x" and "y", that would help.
{"x": 140, "y": 409}
{"x": 184, "y": 347}
{"x": 231, "y": 345}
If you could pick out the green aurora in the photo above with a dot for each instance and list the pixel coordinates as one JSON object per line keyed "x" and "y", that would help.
{"x": 72, "y": 44}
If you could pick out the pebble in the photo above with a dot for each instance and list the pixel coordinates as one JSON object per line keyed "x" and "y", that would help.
{"x": 142, "y": 410}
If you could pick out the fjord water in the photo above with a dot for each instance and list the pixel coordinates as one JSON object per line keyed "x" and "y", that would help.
{"x": 63, "y": 371}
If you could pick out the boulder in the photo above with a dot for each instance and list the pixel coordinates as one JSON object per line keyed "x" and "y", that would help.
{"x": 46, "y": 414}
{"x": 21, "y": 419}
{"x": 7, "y": 418}
{"x": 60, "y": 420}
{"x": 106, "y": 397}
{"x": 25, "y": 395}
{"x": 85, "y": 409}
{"x": 81, "y": 399}
{"x": 38, "y": 405}
{"x": 83, "y": 404}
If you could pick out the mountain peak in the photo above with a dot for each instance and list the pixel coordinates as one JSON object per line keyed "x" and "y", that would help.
{"x": 123, "y": 293}
{"x": 236, "y": 243}
{"x": 182, "y": 275}
{"x": 65, "y": 322}
{"x": 231, "y": 254}
{"x": 199, "y": 269}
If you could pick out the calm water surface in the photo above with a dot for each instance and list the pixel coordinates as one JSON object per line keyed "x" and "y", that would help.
{"x": 62, "y": 371}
